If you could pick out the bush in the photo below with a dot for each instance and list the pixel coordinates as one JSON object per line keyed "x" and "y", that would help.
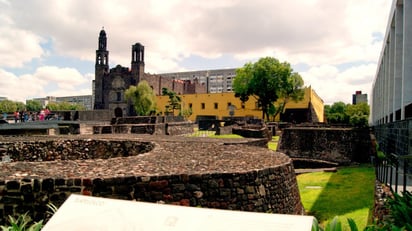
{"x": 22, "y": 223}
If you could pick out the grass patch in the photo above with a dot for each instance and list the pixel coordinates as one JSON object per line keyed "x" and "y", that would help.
{"x": 227, "y": 136}
{"x": 212, "y": 134}
{"x": 198, "y": 133}
{"x": 273, "y": 144}
{"x": 348, "y": 193}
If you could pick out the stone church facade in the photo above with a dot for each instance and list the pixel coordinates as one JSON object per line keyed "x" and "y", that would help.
{"x": 111, "y": 84}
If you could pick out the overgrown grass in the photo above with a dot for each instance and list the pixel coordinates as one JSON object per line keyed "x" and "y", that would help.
{"x": 227, "y": 136}
{"x": 198, "y": 133}
{"x": 348, "y": 193}
{"x": 273, "y": 144}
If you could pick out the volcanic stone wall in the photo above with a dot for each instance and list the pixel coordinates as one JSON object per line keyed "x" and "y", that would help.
{"x": 153, "y": 125}
{"x": 339, "y": 145}
{"x": 240, "y": 185}
{"x": 266, "y": 190}
{"x": 72, "y": 149}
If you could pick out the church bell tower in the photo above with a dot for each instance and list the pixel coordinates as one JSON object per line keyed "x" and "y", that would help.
{"x": 101, "y": 68}
{"x": 137, "y": 62}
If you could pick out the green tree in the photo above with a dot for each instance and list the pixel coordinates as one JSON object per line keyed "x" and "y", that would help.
{"x": 142, "y": 97}
{"x": 341, "y": 113}
{"x": 268, "y": 80}
{"x": 20, "y": 106}
{"x": 336, "y": 113}
{"x": 65, "y": 106}
{"x": 33, "y": 105}
{"x": 8, "y": 106}
{"x": 358, "y": 114}
{"x": 186, "y": 112}
{"x": 174, "y": 101}
{"x": 292, "y": 89}
{"x": 53, "y": 106}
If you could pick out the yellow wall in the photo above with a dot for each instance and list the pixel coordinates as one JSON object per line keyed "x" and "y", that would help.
{"x": 317, "y": 104}
{"x": 222, "y": 101}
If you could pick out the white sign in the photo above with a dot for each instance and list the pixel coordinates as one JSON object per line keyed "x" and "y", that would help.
{"x": 79, "y": 213}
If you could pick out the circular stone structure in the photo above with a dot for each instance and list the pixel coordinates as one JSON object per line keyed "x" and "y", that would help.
{"x": 236, "y": 174}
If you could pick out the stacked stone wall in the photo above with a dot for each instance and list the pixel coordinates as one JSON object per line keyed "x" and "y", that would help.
{"x": 66, "y": 149}
{"x": 339, "y": 145}
{"x": 265, "y": 190}
{"x": 145, "y": 125}
{"x": 179, "y": 128}
{"x": 250, "y": 132}
{"x": 268, "y": 188}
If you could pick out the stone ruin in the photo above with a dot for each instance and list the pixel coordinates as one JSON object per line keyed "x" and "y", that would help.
{"x": 234, "y": 174}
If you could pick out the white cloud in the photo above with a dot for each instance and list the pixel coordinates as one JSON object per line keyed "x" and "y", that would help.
{"x": 18, "y": 47}
{"x": 66, "y": 78}
{"x": 19, "y": 88}
{"x": 68, "y": 82}
{"x": 321, "y": 34}
{"x": 333, "y": 85}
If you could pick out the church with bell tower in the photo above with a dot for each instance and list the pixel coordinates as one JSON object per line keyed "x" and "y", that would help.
{"x": 110, "y": 84}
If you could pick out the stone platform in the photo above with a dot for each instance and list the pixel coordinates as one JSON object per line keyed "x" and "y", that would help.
{"x": 236, "y": 174}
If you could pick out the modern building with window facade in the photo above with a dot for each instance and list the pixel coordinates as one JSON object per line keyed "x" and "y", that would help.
{"x": 84, "y": 100}
{"x": 216, "y": 81}
{"x": 358, "y": 97}
{"x": 392, "y": 88}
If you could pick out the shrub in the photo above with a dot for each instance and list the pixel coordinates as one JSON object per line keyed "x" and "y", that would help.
{"x": 22, "y": 223}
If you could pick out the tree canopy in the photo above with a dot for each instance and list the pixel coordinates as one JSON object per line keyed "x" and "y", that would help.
{"x": 65, "y": 106}
{"x": 341, "y": 113}
{"x": 142, "y": 97}
{"x": 33, "y": 105}
{"x": 8, "y": 106}
{"x": 174, "y": 101}
{"x": 268, "y": 80}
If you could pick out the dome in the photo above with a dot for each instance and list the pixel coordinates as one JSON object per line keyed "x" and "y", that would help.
{"x": 102, "y": 32}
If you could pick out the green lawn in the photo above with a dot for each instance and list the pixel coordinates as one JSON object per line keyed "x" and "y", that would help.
{"x": 348, "y": 193}
{"x": 273, "y": 144}
{"x": 226, "y": 136}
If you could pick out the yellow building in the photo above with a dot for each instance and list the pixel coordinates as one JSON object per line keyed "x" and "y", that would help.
{"x": 310, "y": 109}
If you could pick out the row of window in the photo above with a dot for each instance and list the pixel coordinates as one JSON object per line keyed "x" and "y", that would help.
{"x": 216, "y": 105}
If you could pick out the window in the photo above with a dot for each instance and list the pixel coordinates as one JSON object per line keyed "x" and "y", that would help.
{"x": 119, "y": 96}
{"x": 202, "y": 105}
{"x": 216, "y": 105}
{"x": 243, "y": 105}
{"x": 229, "y": 104}
{"x": 190, "y": 105}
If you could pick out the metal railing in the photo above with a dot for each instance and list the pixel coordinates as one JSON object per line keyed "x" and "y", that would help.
{"x": 395, "y": 171}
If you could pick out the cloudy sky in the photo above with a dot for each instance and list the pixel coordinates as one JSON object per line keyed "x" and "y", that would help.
{"x": 47, "y": 47}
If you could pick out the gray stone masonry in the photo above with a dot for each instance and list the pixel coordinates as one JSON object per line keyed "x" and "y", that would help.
{"x": 339, "y": 145}
{"x": 230, "y": 174}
